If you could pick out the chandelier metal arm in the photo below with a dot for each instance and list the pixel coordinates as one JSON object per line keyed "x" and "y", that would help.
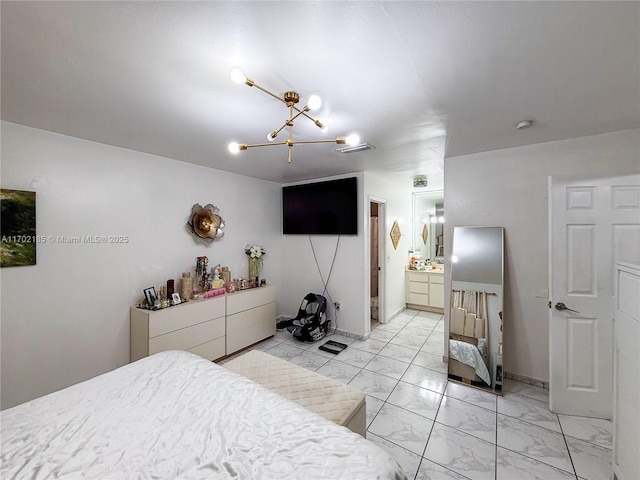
{"x": 302, "y": 111}
{"x": 249, "y": 145}
{"x": 290, "y": 98}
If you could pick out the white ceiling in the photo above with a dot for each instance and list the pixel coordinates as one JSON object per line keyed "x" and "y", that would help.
{"x": 417, "y": 80}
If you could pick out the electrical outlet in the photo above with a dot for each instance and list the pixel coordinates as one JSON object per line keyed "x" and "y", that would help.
{"x": 337, "y": 305}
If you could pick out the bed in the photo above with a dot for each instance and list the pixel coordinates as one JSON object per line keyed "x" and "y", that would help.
{"x": 468, "y": 347}
{"x": 176, "y": 415}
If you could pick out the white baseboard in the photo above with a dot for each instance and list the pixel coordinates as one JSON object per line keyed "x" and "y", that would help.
{"x": 529, "y": 380}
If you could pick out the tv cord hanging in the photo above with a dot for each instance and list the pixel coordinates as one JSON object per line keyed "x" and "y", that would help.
{"x": 326, "y": 283}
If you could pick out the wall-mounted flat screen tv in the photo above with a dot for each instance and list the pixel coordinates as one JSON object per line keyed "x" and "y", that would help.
{"x": 321, "y": 208}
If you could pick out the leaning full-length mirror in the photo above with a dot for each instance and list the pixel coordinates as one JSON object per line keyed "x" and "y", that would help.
{"x": 477, "y": 299}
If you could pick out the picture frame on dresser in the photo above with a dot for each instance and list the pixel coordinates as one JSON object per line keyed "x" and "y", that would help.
{"x": 150, "y": 296}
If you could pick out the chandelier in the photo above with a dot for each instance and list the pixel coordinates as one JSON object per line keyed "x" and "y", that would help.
{"x": 290, "y": 99}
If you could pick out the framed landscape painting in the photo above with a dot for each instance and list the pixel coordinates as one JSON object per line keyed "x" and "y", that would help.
{"x": 18, "y": 228}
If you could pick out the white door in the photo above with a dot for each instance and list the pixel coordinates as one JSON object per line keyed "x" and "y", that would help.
{"x": 593, "y": 223}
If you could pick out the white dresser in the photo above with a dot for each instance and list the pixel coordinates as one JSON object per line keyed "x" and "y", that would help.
{"x": 424, "y": 290}
{"x": 626, "y": 406}
{"x": 210, "y": 327}
{"x": 251, "y": 317}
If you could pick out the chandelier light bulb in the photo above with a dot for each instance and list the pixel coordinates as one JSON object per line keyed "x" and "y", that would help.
{"x": 353, "y": 139}
{"x": 271, "y": 136}
{"x": 234, "y": 147}
{"x": 237, "y": 76}
{"x": 314, "y": 102}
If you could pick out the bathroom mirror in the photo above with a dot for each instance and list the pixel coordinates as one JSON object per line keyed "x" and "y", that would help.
{"x": 428, "y": 224}
{"x": 477, "y": 299}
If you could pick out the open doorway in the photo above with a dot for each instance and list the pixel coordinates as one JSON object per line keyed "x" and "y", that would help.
{"x": 376, "y": 249}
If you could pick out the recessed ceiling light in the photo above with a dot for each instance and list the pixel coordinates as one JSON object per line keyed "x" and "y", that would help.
{"x": 524, "y": 124}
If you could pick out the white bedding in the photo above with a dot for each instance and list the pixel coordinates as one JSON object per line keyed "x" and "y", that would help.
{"x": 469, "y": 355}
{"x": 175, "y": 415}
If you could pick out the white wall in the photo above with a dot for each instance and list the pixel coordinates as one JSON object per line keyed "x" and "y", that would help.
{"x": 509, "y": 188}
{"x": 398, "y": 207}
{"x": 302, "y": 275}
{"x": 66, "y": 319}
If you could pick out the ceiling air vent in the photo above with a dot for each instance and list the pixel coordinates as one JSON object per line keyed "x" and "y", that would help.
{"x": 355, "y": 148}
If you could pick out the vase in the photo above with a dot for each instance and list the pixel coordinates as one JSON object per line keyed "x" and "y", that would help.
{"x": 255, "y": 265}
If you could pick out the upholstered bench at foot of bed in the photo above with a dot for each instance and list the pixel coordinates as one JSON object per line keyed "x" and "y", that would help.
{"x": 330, "y": 398}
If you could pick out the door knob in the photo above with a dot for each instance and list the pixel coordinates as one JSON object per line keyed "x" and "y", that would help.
{"x": 562, "y": 307}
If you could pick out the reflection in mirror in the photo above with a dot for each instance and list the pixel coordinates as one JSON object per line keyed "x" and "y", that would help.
{"x": 477, "y": 299}
{"x": 428, "y": 223}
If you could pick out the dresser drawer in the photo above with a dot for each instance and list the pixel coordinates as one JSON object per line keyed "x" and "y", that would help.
{"x": 436, "y": 278}
{"x": 246, "y": 299}
{"x": 418, "y": 287}
{"x": 250, "y": 326}
{"x": 185, "y": 315}
{"x": 418, "y": 277}
{"x": 211, "y": 350}
{"x": 418, "y": 299}
{"x": 187, "y": 338}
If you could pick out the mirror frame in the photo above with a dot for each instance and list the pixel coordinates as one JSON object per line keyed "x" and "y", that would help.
{"x": 495, "y": 298}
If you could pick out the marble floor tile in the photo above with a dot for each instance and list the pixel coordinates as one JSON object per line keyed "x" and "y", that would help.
{"x": 534, "y": 442}
{"x": 415, "y": 399}
{"x": 390, "y": 327}
{"x": 590, "y": 461}
{"x": 383, "y": 335}
{"x": 592, "y": 430}
{"x": 406, "y": 429}
{"x": 402, "y": 319}
{"x": 409, "y": 341}
{"x": 432, "y": 471}
{"x": 424, "y": 320}
{"x": 338, "y": 337}
{"x": 407, "y": 460}
{"x": 266, "y": 344}
{"x": 428, "y": 360}
{"x": 374, "y": 384}
{"x": 462, "y": 453}
{"x": 370, "y": 345}
{"x": 338, "y": 370}
{"x": 472, "y": 395}
{"x": 420, "y": 333}
{"x": 298, "y": 344}
{"x": 528, "y": 409}
{"x": 309, "y": 360}
{"x": 434, "y": 347}
{"x": 373, "y": 405}
{"x": 399, "y": 352}
{"x": 284, "y": 351}
{"x": 352, "y": 356}
{"x": 526, "y": 390}
{"x": 387, "y": 366}
{"x": 282, "y": 335}
{"x": 429, "y": 315}
{"x": 513, "y": 466}
{"x": 476, "y": 421}
{"x": 425, "y": 378}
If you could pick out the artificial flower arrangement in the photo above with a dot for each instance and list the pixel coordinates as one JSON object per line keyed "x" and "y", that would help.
{"x": 255, "y": 251}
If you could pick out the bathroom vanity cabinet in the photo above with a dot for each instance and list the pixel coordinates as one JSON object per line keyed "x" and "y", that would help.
{"x": 424, "y": 290}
